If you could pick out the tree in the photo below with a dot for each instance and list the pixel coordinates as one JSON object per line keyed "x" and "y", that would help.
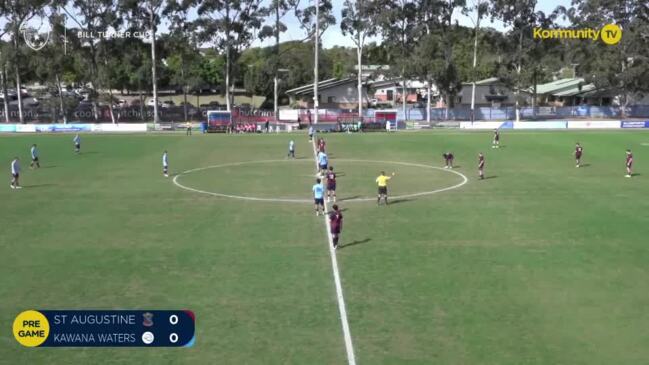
{"x": 480, "y": 8}
{"x": 397, "y": 20}
{"x": 51, "y": 64}
{"x": 315, "y": 19}
{"x": 182, "y": 45}
{"x": 147, "y": 14}
{"x": 97, "y": 17}
{"x": 16, "y": 12}
{"x": 518, "y": 52}
{"x": 278, "y": 8}
{"x": 230, "y": 25}
{"x": 358, "y": 21}
{"x": 621, "y": 67}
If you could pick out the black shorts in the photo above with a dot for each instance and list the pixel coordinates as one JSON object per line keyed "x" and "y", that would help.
{"x": 335, "y": 230}
{"x": 331, "y": 187}
{"x": 34, "y": 159}
{"x": 319, "y": 201}
{"x": 15, "y": 176}
{"x": 323, "y": 167}
{"x": 383, "y": 190}
{"x": 77, "y": 146}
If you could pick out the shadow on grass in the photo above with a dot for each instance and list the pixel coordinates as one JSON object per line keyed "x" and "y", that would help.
{"x": 39, "y": 186}
{"x": 491, "y": 177}
{"x": 399, "y": 201}
{"x": 354, "y": 243}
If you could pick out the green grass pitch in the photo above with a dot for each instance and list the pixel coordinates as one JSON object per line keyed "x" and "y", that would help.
{"x": 541, "y": 263}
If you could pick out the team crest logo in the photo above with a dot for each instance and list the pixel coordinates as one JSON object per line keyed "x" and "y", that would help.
{"x": 148, "y": 319}
{"x": 36, "y": 38}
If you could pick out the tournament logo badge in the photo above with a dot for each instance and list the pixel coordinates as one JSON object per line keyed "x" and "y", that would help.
{"x": 36, "y": 38}
{"x": 148, "y": 319}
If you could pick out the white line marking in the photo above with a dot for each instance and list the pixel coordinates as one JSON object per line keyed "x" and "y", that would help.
{"x": 302, "y": 201}
{"x": 351, "y": 359}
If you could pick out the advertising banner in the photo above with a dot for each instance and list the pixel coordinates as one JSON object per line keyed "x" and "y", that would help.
{"x": 25, "y": 128}
{"x": 7, "y": 128}
{"x": 635, "y": 124}
{"x": 123, "y": 127}
{"x": 486, "y": 125}
{"x": 541, "y": 125}
{"x": 69, "y": 128}
{"x": 593, "y": 124}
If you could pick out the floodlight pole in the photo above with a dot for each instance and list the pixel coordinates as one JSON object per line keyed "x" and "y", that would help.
{"x": 315, "y": 62}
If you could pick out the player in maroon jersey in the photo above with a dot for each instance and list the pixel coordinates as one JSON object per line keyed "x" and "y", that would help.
{"x": 336, "y": 224}
{"x": 331, "y": 184}
{"x": 448, "y": 159}
{"x": 495, "y": 143}
{"x": 481, "y": 165}
{"x": 579, "y": 150}
{"x": 321, "y": 145}
{"x": 629, "y": 163}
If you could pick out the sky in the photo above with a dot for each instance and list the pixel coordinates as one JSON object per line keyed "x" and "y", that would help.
{"x": 333, "y": 35}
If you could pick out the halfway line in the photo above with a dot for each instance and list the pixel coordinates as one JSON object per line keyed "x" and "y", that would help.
{"x": 351, "y": 360}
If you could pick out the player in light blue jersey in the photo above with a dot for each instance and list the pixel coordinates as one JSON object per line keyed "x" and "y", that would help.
{"x": 323, "y": 162}
{"x": 77, "y": 143}
{"x": 34, "y": 153}
{"x": 165, "y": 164}
{"x": 318, "y": 196}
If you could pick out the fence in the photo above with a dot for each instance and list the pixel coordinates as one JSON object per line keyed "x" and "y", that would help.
{"x": 86, "y": 114}
{"x": 527, "y": 113}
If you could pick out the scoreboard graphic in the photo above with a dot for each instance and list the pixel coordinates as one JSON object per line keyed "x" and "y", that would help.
{"x": 105, "y": 328}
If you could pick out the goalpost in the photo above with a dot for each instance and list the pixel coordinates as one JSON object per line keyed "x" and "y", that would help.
{"x": 218, "y": 121}
{"x": 387, "y": 116}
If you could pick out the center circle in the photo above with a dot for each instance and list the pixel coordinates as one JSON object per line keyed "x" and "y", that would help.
{"x": 289, "y": 182}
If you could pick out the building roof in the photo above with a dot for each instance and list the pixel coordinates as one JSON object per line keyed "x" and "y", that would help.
{"x": 373, "y": 67}
{"x": 381, "y": 84}
{"x": 575, "y": 90}
{"x": 322, "y": 85}
{"x": 488, "y": 81}
{"x": 564, "y": 87}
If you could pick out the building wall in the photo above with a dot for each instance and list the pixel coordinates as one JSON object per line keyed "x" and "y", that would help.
{"x": 381, "y": 95}
{"x": 481, "y": 93}
{"x": 341, "y": 96}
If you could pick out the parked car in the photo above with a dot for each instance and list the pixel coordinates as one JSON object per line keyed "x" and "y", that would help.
{"x": 168, "y": 104}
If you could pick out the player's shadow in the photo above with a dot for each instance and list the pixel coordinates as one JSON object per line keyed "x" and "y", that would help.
{"x": 354, "y": 243}
{"x": 491, "y": 177}
{"x": 399, "y": 201}
{"x": 39, "y": 185}
{"x": 585, "y": 165}
{"x": 47, "y": 167}
{"x": 349, "y": 198}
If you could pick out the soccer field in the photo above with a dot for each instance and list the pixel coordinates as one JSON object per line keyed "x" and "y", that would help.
{"x": 540, "y": 263}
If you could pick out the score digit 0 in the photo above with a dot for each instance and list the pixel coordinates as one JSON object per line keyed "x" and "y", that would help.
{"x": 173, "y": 319}
{"x": 173, "y": 338}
